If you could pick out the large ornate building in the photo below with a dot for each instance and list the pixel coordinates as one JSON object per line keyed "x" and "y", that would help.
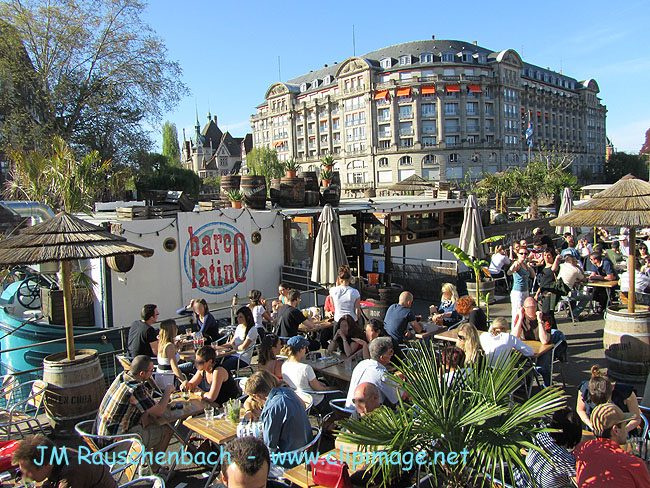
{"x": 437, "y": 108}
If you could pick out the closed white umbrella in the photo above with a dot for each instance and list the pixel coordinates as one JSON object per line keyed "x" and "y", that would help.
{"x": 329, "y": 253}
{"x": 566, "y": 206}
{"x": 472, "y": 233}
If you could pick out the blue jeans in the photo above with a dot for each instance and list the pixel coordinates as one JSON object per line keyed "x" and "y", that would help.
{"x": 543, "y": 364}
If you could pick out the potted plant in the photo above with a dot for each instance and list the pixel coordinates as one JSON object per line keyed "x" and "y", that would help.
{"x": 235, "y": 197}
{"x": 328, "y": 163}
{"x": 326, "y": 177}
{"x": 482, "y": 277}
{"x": 291, "y": 167}
{"x": 470, "y": 416}
{"x": 83, "y": 313}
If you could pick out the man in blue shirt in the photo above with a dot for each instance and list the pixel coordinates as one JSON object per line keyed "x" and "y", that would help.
{"x": 602, "y": 269}
{"x": 398, "y": 317}
{"x": 286, "y": 424}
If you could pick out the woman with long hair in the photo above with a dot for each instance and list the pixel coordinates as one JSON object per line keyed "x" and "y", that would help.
{"x": 343, "y": 340}
{"x": 599, "y": 389}
{"x": 215, "y": 383}
{"x": 521, "y": 273}
{"x": 243, "y": 339}
{"x": 258, "y": 308}
{"x": 374, "y": 328}
{"x": 168, "y": 356}
{"x": 347, "y": 300}
{"x": 469, "y": 342}
{"x": 446, "y": 313}
{"x": 267, "y": 359}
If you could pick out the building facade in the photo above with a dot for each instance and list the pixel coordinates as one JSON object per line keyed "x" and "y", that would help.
{"x": 439, "y": 109}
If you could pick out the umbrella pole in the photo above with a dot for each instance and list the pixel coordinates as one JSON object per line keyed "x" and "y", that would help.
{"x": 67, "y": 307}
{"x": 631, "y": 266}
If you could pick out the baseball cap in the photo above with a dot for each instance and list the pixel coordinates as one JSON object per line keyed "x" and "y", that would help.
{"x": 297, "y": 342}
{"x": 608, "y": 415}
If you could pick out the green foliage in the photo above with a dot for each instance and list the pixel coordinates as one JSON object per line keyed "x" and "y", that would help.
{"x": 621, "y": 164}
{"x": 235, "y": 196}
{"x": 170, "y": 148}
{"x": 262, "y": 161}
{"x": 99, "y": 71}
{"x": 211, "y": 184}
{"x": 326, "y": 174}
{"x": 471, "y": 413}
{"x": 328, "y": 160}
{"x": 155, "y": 173}
{"x": 59, "y": 179}
{"x": 291, "y": 165}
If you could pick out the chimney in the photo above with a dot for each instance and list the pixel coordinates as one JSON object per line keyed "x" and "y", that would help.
{"x": 215, "y": 120}
{"x": 475, "y": 43}
{"x": 433, "y": 38}
{"x": 183, "y": 134}
{"x": 325, "y": 66}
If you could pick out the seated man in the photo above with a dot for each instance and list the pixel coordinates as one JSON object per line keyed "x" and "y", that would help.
{"x": 286, "y": 424}
{"x": 289, "y": 317}
{"x": 366, "y": 400}
{"x": 398, "y": 317}
{"x": 602, "y": 269}
{"x": 572, "y": 274}
{"x": 143, "y": 338}
{"x": 246, "y": 464}
{"x": 374, "y": 371}
{"x": 569, "y": 247}
{"x": 530, "y": 325}
{"x": 38, "y": 462}
{"x": 602, "y": 462}
{"x": 129, "y": 408}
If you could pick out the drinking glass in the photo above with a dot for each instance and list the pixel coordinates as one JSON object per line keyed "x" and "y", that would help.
{"x": 209, "y": 414}
{"x": 186, "y": 395}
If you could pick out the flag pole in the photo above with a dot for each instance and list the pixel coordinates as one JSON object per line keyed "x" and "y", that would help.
{"x": 530, "y": 146}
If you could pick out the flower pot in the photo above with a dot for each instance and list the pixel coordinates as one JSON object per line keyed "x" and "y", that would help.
{"x": 327, "y": 183}
{"x": 236, "y": 204}
{"x": 328, "y": 167}
{"x": 291, "y": 173}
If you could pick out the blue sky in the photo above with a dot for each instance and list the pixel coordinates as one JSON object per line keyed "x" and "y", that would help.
{"x": 229, "y": 50}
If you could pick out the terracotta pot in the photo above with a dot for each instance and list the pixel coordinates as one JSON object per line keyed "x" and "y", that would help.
{"x": 327, "y": 183}
{"x": 329, "y": 168}
{"x": 291, "y": 173}
{"x": 236, "y": 204}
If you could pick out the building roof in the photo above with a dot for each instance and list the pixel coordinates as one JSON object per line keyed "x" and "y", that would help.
{"x": 211, "y": 131}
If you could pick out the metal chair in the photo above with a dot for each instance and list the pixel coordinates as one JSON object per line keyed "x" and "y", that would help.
{"x": 242, "y": 364}
{"x": 87, "y": 431}
{"x": 338, "y": 406}
{"x": 24, "y": 404}
{"x": 129, "y": 469}
{"x": 296, "y": 454}
{"x": 147, "y": 481}
{"x": 306, "y": 398}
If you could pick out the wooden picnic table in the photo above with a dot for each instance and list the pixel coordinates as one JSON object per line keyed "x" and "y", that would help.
{"x": 430, "y": 330}
{"x": 222, "y": 351}
{"x": 318, "y": 326}
{"x": 327, "y": 361}
{"x": 608, "y": 285}
{"x": 303, "y": 477}
{"x": 218, "y": 431}
{"x": 538, "y": 348}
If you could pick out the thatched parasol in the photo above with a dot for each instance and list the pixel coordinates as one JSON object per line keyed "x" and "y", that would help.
{"x": 624, "y": 204}
{"x": 65, "y": 238}
{"x": 412, "y": 183}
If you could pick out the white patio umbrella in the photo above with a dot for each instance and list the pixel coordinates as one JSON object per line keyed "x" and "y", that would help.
{"x": 566, "y": 206}
{"x": 329, "y": 253}
{"x": 472, "y": 233}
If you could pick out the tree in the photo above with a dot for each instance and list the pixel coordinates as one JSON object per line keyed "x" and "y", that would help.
{"x": 621, "y": 164}
{"x": 155, "y": 173}
{"x": 101, "y": 71}
{"x": 645, "y": 149}
{"x": 264, "y": 161}
{"x": 170, "y": 147}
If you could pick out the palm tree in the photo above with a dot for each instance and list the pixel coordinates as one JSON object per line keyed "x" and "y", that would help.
{"x": 473, "y": 414}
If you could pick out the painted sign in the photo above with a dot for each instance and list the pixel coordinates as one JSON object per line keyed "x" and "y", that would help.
{"x": 216, "y": 257}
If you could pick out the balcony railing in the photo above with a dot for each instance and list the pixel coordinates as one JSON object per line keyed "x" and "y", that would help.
{"x": 406, "y": 132}
{"x": 405, "y": 116}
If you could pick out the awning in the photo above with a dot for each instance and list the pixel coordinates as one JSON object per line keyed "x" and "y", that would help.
{"x": 452, "y": 88}
{"x": 428, "y": 90}
{"x": 382, "y": 95}
{"x": 404, "y": 92}
{"x": 475, "y": 88}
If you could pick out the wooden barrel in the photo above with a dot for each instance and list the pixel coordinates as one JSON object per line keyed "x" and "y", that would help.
{"x": 311, "y": 180}
{"x": 330, "y": 195}
{"x": 121, "y": 263}
{"x": 626, "y": 339}
{"x": 74, "y": 388}
{"x": 274, "y": 191}
{"x": 228, "y": 184}
{"x": 292, "y": 192}
{"x": 312, "y": 198}
{"x": 254, "y": 189}
{"x": 378, "y": 311}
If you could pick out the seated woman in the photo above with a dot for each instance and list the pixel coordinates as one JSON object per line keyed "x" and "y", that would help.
{"x": 374, "y": 329}
{"x": 301, "y": 376}
{"x": 469, "y": 342}
{"x": 446, "y": 314}
{"x": 466, "y": 307}
{"x": 343, "y": 340}
{"x": 499, "y": 262}
{"x": 215, "y": 383}
{"x": 283, "y": 291}
{"x": 599, "y": 389}
{"x": 453, "y": 362}
{"x": 498, "y": 343}
{"x": 258, "y": 308}
{"x": 242, "y": 340}
{"x": 267, "y": 359}
{"x": 205, "y": 320}
{"x": 168, "y": 357}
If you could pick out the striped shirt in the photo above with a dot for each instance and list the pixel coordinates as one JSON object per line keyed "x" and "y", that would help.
{"x": 548, "y": 475}
{"x": 123, "y": 405}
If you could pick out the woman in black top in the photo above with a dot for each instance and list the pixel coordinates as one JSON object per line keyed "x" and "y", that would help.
{"x": 215, "y": 383}
{"x": 466, "y": 306}
{"x": 548, "y": 292}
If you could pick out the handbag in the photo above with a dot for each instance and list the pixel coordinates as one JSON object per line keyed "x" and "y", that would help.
{"x": 331, "y": 474}
{"x": 7, "y": 449}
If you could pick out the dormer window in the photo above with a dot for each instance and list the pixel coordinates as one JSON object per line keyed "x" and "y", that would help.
{"x": 327, "y": 80}
{"x": 304, "y": 87}
{"x": 482, "y": 59}
{"x": 467, "y": 57}
{"x": 404, "y": 60}
{"x": 314, "y": 83}
{"x": 447, "y": 57}
{"x": 386, "y": 63}
{"x": 426, "y": 58}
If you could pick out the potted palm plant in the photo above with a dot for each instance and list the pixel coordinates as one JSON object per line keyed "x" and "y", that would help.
{"x": 470, "y": 417}
{"x": 328, "y": 163}
{"x": 291, "y": 167}
{"x": 326, "y": 177}
{"x": 235, "y": 197}
{"x": 483, "y": 280}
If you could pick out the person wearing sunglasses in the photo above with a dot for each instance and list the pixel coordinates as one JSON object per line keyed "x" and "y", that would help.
{"x": 215, "y": 383}
{"x": 521, "y": 273}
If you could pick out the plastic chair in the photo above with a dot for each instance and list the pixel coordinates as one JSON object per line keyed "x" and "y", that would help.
{"x": 23, "y": 406}
{"x": 86, "y": 430}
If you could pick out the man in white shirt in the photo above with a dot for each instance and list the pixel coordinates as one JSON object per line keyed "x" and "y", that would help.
{"x": 570, "y": 273}
{"x": 374, "y": 371}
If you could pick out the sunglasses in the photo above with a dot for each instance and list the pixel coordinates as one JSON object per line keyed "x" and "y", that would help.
{"x": 522, "y": 253}
{"x": 461, "y": 338}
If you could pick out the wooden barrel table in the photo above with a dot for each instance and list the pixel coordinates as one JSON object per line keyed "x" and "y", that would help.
{"x": 626, "y": 340}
